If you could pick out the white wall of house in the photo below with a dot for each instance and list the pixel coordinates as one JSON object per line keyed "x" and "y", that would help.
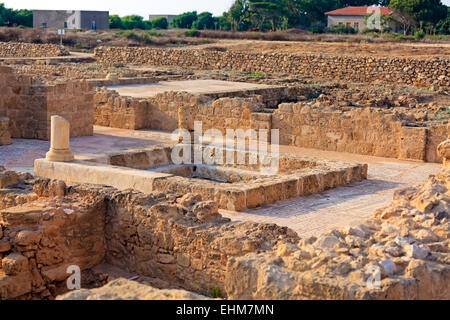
{"x": 356, "y": 22}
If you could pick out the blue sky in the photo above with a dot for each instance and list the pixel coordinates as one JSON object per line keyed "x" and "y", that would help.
{"x": 126, "y": 7}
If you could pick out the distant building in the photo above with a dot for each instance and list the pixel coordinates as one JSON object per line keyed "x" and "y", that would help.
{"x": 169, "y": 17}
{"x": 354, "y": 17}
{"x": 71, "y": 19}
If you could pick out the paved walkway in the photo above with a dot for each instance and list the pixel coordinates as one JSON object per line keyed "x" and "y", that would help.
{"x": 191, "y": 86}
{"x": 343, "y": 206}
{"x": 310, "y": 215}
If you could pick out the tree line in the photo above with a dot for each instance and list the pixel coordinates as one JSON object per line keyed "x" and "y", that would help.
{"x": 10, "y": 17}
{"x": 281, "y": 14}
{"x": 428, "y": 16}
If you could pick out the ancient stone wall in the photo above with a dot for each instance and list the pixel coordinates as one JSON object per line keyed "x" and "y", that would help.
{"x": 172, "y": 110}
{"x": 20, "y": 50}
{"x": 44, "y": 233}
{"x": 404, "y": 246}
{"x": 29, "y": 105}
{"x": 357, "y": 69}
{"x": 5, "y": 135}
{"x": 184, "y": 242}
{"x": 166, "y": 111}
{"x": 370, "y": 131}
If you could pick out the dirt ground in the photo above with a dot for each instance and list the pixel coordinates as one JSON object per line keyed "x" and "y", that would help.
{"x": 389, "y": 49}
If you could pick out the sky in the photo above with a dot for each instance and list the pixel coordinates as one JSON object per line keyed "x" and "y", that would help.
{"x": 127, "y": 7}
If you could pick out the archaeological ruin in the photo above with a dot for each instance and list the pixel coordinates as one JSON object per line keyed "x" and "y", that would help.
{"x": 89, "y": 175}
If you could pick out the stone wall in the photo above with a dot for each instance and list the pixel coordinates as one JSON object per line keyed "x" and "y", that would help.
{"x": 30, "y": 104}
{"x": 44, "y": 234}
{"x": 5, "y": 135}
{"x": 370, "y": 131}
{"x": 170, "y": 110}
{"x": 186, "y": 243}
{"x": 20, "y": 50}
{"x": 357, "y": 69}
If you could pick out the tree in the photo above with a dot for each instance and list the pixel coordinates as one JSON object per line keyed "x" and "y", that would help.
{"x": 238, "y": 12}
{"x": 223, "y": 22}
{"x": 410, "y": 12}
{"x": 5, "y": 15}
{"x": 133, "y": 22}
{"x": 115, "y": 22}
{"x": 160, "y": 23}
{"x": 269, "y": 10}
{"x": 312, "y": 12}
{"x": 347, "y": 3}
{"x": 185, "y": 20}
{"x": 443, "y": 26}
{"x": 22, "y": 17}
{"x": 204, "y": 21}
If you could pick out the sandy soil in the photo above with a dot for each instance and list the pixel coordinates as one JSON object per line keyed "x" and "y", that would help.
{"x": 389, "y": 49}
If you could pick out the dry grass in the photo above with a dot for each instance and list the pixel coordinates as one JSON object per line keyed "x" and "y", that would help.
{"x": 88, "y": 40}
{"x": 302, "y": 35}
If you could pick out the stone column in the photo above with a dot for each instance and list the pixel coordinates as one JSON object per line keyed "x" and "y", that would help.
{"x": 59, "y": 143}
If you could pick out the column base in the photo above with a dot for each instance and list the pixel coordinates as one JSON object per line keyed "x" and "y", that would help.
{"x": 59, "y": 155}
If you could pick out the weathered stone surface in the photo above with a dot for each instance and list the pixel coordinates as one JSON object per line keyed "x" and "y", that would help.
{"x": 444, "y": 152}
{"x": 12, "y": 49}
{"x": 156, "y": 236}
{"x": 5, "y": 135}
{"x": 28, "y": 104}
{"x": 349, "y": 68}
{"x": 122, "y": 289}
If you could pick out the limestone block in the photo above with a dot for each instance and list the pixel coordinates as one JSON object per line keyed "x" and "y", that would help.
{"x": 5, "y": 135}
{"x": 444, "y": 152}
{"x": 14, "y": 264}
{"x": 8, "y": 178}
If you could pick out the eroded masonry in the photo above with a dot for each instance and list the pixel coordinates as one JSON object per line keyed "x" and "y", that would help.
{"x": 124, "y": 208}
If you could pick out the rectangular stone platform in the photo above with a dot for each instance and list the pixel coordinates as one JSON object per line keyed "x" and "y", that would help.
{"x": 232, "y": 187}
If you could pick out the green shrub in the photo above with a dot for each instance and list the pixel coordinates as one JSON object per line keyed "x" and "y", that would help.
{"x": 156, "y": 34}
{"x": 160, "y": 23}
{"x": 367, "y": 30}
{"x": 316, "y": 30}
{"x": 403, "y": 37}
{"x": 146, "y": 38}
{"x": 185, "y": 20}
{"x": 420, "y": 34}
{"x": 129, "y": 34}
{"x": 216, "y": 292}
{"x": 192, "y": 33}
{"x": 341, "y": 29}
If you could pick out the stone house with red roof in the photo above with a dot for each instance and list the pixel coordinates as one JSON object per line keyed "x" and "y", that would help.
{"x": 355, "y": 17}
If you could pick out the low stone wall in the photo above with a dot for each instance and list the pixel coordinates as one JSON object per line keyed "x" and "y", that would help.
{"x": 370, "y": 131}
{"x": 21, "y": 50}
{"x": 357, "y": 69}
{"x": 170, "y": 110}
{"x": 29, "y": 105}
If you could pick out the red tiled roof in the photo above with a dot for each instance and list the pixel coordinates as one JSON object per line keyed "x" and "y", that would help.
{"x": 359, "y": 11}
